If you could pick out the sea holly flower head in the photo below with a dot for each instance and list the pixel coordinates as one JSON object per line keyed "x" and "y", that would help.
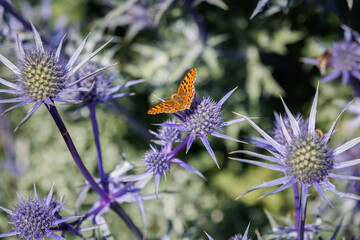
{"x": 277, "y": 132}
{"x": 42, "y": 76}
{"x": 167, "y": 134}
{"x": 35, "y": 218}
{"x": 307, "y": 159}
{"x": 203, "y": 118}
{"x": 343, "y": 57}
{"x": 158, "y": 162}
{"x": 99, "y": 85}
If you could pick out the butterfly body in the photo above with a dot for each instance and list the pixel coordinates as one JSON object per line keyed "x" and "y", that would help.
{"x": 180, "y": 100}
{"x": 324, "y": 62}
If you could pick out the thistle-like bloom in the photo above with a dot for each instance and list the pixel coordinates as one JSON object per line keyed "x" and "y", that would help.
{"x": 235, "y": 237}
{"x": 167, "y": 134}
{"x": 306, "y": 159}
{"x": 203, "y": 118}
{"x": 157, "y": 162}
{"x": 343, "y": 58}
{"x": 42, "y": 76}
{"x": 36, "y": 218}
{"x": 277, "y": 132}
{"x": 99, "y": 85}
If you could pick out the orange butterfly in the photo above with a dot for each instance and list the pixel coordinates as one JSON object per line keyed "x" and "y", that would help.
{"x": 180, "y": 100}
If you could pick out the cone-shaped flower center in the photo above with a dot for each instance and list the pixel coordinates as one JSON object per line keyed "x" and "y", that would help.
{"x": 156, "y": 161}
{"x": 345, "y": 56}
{"x": 41, "y": 75}
{"x": 309, "y": 159}
{"x": 32, "y": 219}
{"x": 203, "y": 117}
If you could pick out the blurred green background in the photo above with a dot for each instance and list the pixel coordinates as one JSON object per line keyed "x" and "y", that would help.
{"x": 160, "y": 41}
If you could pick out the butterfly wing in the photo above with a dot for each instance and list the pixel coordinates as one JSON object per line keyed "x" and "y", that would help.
{"x": 186, "y": 92}
{"x": 164, "y": 107}
{"x": 187, "y": 89}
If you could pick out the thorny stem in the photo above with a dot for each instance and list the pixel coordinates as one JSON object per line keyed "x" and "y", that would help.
{"x": 95, "y": 127}
{"x": 74, "y": 153}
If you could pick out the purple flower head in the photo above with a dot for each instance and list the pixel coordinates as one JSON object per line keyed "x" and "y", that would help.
{"x": 277, "y": 132}
{"x": 204, "y": 118}
{"x": 306, "y": 159}
{"x": 42, "y": 76}
{"x": 99, "y": 85}
{"x": 158, "y": 162}
{"x": 35, "y": 218}
{"x": 167, "y": 134}
{"x": 342, "y": 57}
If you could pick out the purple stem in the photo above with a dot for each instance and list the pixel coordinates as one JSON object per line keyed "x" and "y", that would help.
{"x": 122, "y": 190}
{"x": 103, "y": 195}
{"x": 8, "y": 8}
{"x": 297, "y": 206}
{"x": 118, "y": 209}
{"x": 95, "y": 127}
{"x": 94, "y": 211}
{"x": 302, "y": 224}
{"x": 179, "y": 147}
{"x": 74, "y": 153}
